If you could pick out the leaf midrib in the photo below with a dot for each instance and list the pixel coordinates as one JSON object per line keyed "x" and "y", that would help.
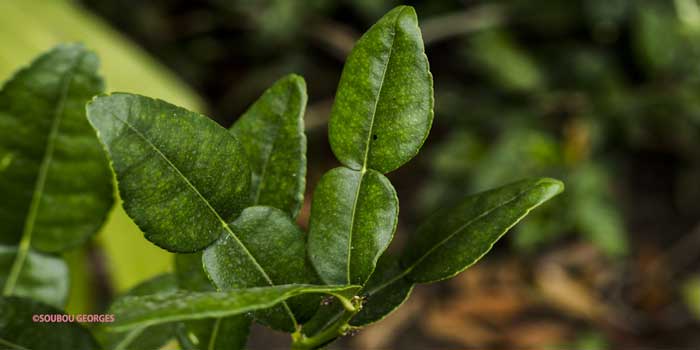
{"x": 210, "y": 207}
{"x": 268, "y": 154}
{"x": 373, "y": 113}
{"x": 214, "y": 334}
{"x": 363, "y": 170}
{"x": 352, "y": 223}
{"x": 12, "y": 345}
{"x": 25, "y": 240}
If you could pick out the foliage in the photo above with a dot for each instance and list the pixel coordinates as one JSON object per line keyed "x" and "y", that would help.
{"x": 57, "y": 191}
{"x": 126, "y": 67}
{"x": 225, "y": 201}
{"x": 186, "y": 182}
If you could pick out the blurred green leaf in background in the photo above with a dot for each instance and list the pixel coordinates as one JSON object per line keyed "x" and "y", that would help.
{"x": 30, "y": 27}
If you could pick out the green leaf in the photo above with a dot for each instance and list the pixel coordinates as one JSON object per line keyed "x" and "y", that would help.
{"x": 145, "y": 337}
{"x": 182, "y": 177}
{"x": 56, "y": 184}
{"x": 189, "y": 273}
{"x": 268, "y": 249}
{"x": 383, "y": 109}
{"x": 226, "y": 333}
{"x": 155, "y": 309}
{"x": 43, "y": 277}
{"x": 272, "y": 134}
{"x": 353, "y": 218}
{"x": 216, "y": 333}
{"x": 18, "y": 331}
{"x": 57, "y": 188}
{"x": 454, "y": 239}
{"x": 382, "y": 298}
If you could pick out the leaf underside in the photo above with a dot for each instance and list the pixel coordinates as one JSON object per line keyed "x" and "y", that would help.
{"x": 227, "y": 333}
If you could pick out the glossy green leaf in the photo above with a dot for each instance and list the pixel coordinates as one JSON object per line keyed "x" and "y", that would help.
{"x": 268, "y": 249}
{"x": 182, "y": 177}
{"x": 18, "y": 331}
{"x": 454, "y": 239}
{"x": 56, "y": 187}
{"x": 43, "y": 277}
{"x": 145, "y": 337}
{"x": 228, "y": 333}
{"x": 272, "y": 134}
{"x": 353, "y": 218}
{"x": 383, "y": 108}
{"x": 155, "y": 309}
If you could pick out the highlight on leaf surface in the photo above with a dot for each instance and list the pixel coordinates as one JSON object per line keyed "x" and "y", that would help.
{"x": 42, "y": 277}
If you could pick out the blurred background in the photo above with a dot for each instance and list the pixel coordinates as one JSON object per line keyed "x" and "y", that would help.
{"x": 604, "y": 94}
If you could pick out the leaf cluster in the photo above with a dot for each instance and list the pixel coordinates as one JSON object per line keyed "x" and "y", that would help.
{"x": 226, "y": 201}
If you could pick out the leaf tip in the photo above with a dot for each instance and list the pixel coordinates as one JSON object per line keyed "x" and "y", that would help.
{"x": 552, "y": 186}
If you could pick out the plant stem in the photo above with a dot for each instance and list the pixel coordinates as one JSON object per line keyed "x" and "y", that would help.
{"x": 335, "y": 330}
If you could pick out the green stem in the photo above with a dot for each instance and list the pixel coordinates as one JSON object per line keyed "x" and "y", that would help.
{"x": 335, "y": 330}
{"x": 17, "y": 265}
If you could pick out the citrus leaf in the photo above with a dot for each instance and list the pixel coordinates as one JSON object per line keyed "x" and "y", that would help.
{"x": 272, "y": 134}
{"x": 268, "y": 249}
{"x": 43, "y": 277}
{"x": 225, "y": 333}
{"x": 182, "y": 177}
{"x": 57, "y": 188}
{"x": 155, "y": 309}
{"x": 454, "y": 239}
{"x": 144, "y": 337}
{"x": 18, "y": 331}
{"x": 215, "y": 333}
{"x": 383, "y": 108}
{"x": 353, "y": 218}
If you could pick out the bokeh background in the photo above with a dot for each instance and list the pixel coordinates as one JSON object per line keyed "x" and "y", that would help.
{"x": 604, "y": 94}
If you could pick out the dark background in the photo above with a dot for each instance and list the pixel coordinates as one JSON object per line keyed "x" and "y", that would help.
{"x": 604, "y": 94}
